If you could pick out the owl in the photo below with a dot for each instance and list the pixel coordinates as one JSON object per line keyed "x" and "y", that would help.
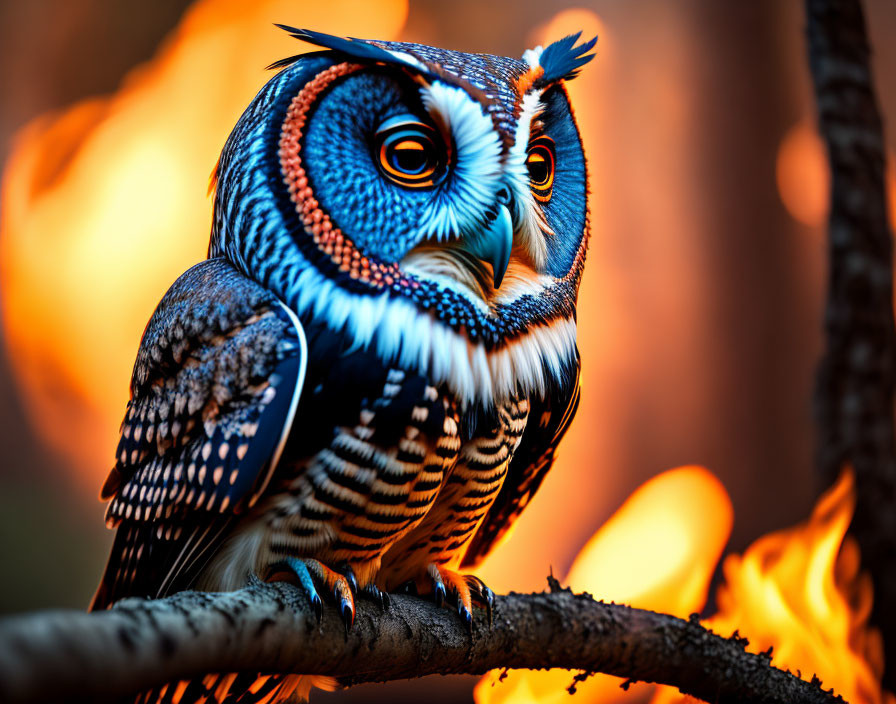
{"x": 366, "y": 382}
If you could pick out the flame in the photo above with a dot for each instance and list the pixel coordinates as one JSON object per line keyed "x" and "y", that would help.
{"x": 658, "y": 551}
{"x": 104, "y": 205}
{"x": 799, "y": 591}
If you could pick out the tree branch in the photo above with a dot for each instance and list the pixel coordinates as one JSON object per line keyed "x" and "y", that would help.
{"x": 267, "y": 627}
{"x": 857, "y": 376}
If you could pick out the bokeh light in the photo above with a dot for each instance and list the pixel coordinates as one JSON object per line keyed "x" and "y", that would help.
{"x": 105, "y": 204}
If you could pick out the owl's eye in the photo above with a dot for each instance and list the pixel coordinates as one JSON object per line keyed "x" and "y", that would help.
{"x": 540, "y": 162}
{"x": 408, "y": 153}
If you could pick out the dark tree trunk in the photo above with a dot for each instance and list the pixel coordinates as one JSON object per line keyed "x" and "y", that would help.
{"x": 854, "y": 395}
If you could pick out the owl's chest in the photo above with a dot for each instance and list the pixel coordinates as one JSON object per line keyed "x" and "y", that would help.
{"x": 373, "y": 452}
{"x": 466, "y": 495}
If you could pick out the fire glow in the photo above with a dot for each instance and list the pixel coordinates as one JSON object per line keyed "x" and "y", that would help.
{"x": 104, "y": 205}
{"x": 798, "y": 591}
{"x": 113, "y": 189}
{"x": 804, "y": 178}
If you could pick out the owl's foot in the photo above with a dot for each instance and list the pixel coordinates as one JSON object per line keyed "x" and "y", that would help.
{"x": 342, "y": 586}
{"x": 482, "y": 595}
{"x": 460, "y": 590}
{"x": 374, "y": 594}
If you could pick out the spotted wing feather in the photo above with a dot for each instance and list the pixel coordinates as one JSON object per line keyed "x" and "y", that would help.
{"x": 214, "y": 389}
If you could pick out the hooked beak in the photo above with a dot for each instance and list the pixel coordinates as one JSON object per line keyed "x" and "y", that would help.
{"x": 493, "y": 244}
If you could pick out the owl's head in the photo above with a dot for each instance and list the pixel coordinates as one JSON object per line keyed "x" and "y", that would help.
{"x": 430, "y": 203}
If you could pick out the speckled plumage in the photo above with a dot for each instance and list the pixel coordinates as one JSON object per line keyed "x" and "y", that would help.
{"x": 349, "y": 390}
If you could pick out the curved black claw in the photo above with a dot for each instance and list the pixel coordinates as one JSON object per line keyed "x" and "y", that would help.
{"x": 438, "y": 593}
{"x": 374, "y": 594}
{"x": 348, "y": 615}
{"x": 438, "y": 585}
{"x": 489, "y": 605}
{"x": 409, "y": 587}
{"x": 299, "y": 568}
{"x": 349, "y": 574}
{"x": 343, "y": 596}
{"x": 482, "y": 594}
{"x": 318, "y": 606}
{"x": 465, "y": 615}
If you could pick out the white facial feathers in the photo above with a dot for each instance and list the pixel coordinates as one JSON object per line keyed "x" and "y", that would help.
{"x": 533, "y": 56}
{"x": 532, "y": 224}
{"x": 477, "y": 162}
{"x": 401, "y": 333}
{"x": 417, "y": 341}
{"x": 480, "y": 169}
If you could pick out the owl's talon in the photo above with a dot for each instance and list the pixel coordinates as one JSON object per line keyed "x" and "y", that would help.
{"x": 372, "y": 592}
{"x": 349, "y": 575}
{"x": 457, "y": 589}
{"x": 348, "y": 615}
{"x": 482, "y": 594}
{"x": 489, "y": 604}
{"x": 299, "y": 569}
{"x": 318, "y": 607}
{"x": 466, "y": 616}
{"x": 342, "y": 593}
{"x": 307, "y": 571}
{"x": 438, "y": 585}
{"x": 439, "y": 594}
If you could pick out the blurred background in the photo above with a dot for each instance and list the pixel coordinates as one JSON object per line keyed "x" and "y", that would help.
{"x": 699, "y": 314}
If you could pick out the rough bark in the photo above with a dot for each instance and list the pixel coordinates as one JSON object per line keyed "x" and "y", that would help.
{"x": 854, "y": 394}
{"x": 56, "y": 655}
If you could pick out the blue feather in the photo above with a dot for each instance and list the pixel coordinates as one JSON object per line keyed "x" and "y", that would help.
{"x": 350, "y": 46}
{"x": 563, "y": 59}
{"x": 357, "y": 48}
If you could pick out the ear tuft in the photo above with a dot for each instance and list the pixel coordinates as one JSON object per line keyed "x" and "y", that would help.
{"x": 356, "y": 48}
{"x": 359, "y": 49}
{"x": 563, "y": 59}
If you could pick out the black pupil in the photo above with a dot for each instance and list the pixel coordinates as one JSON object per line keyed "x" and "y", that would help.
{"x": 539, "y": 168}
{"x": 410, "y": 160}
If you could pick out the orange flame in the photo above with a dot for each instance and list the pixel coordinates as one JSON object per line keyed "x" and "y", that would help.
{"x": 658, "y": 551}
{"x": 104, "y": 205}
{"x": 799, "y": 591}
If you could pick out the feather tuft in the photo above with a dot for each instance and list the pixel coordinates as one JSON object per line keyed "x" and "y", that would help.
{"x": 359, "y": 49}
{"x": 562, "y": 60}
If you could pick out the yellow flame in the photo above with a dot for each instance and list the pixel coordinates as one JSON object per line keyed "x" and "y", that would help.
{"x": 658, "y": 551}
{"x": 801, "y": 592}
{"x": 104, "y": 205}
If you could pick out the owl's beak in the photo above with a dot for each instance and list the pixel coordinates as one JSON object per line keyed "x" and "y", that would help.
{"x": 493, "y": 244}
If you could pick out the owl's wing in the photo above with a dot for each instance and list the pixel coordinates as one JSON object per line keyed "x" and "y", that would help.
{"x": 548, "y": 420}
{"x": 214, "y": 391}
